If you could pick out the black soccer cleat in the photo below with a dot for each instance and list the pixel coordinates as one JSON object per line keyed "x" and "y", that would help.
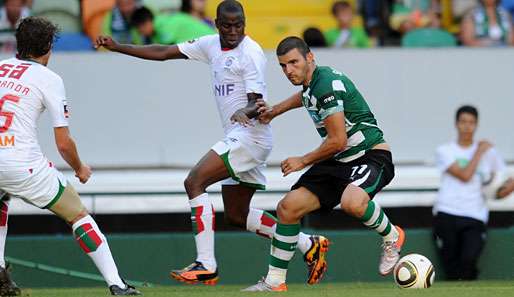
{"x": 7, "y": 286}
{"x": 128, "y": 291}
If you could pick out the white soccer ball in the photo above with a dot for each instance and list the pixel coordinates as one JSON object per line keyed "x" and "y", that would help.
{"x": 414, "y": 271}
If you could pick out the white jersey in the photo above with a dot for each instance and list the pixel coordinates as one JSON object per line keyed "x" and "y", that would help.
{"x": 26, "y": 90}
{"x": 460, "y": 198}
{"x": 235, "y": 73}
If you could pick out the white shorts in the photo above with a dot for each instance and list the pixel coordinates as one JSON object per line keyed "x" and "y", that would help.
{"x": 41, "y": 186}
{"x": 245, "y": 160}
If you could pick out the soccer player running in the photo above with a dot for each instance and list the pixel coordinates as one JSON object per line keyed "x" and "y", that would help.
{"x": 237, "y": 66}
{"x": 27, "y": 88}
{"x": 349, "y": 168}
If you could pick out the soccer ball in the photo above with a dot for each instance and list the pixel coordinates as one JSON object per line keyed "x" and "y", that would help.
{"x": 414, "y": 271}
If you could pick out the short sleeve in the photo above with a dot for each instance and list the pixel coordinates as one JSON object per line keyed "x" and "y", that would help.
{"x": 54, "y": 98}
{"x": 253, "y": 69}
{"x": 443, "y": 159}
{"x": 496, "y": 161}
{"x": 197, "y": 49}
{"x": 331, "y": 95}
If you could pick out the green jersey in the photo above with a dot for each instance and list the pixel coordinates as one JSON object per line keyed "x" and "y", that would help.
{"x": 329, "y": 92}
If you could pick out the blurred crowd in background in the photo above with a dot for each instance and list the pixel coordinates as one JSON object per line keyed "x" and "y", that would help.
{"x": 322, "y": 23}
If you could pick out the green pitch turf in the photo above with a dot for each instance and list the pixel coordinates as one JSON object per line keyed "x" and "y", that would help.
{"x": 440, "y": 289}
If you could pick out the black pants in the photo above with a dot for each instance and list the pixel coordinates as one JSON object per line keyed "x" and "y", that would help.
{"x": 460, "y": 241}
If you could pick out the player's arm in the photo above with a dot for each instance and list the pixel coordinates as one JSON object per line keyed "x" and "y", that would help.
{"x": 334, "y": 143}
{"x": 267, "y": 113}
{"x": 68, "y": 150}
{"x": 149, "y": 52}
{"x": 465, "y": 174}
{"x": 248, "y": 112}
{"x": 506, "y": 189}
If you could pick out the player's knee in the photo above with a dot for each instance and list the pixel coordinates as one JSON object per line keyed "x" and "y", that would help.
{"x": 82, "y": 214}
{"x": 192, "y": 184}
{"x": 287, "y": 211}
{"x": 235, "y": 219}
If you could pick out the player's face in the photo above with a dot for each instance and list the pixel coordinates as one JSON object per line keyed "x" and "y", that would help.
{"x": 231, "y": 27}
{"x": 295, "y": 66}
{"x": 467, "y": 124}
{"x": 146, "y": 29}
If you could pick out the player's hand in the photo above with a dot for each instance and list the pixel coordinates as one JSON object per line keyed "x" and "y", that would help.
{"x": 265, "y": 112}
{"x": 84, "y": 173}
{"x": 107, "y": 42}
{"x": 483, "y": 146}
{"x": 241, "y": 118}
{"x": 292, "y": 164}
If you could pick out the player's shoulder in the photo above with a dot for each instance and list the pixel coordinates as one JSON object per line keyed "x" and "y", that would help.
{"x": 329, "y": 80}
{"x": 446, "y": 148}
{"x": 206, "y": 40}
{"x": 251, "y": 47}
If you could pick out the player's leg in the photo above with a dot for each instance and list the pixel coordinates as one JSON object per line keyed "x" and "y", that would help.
{"x": 369, "y": 174}
{"x": 237, "y": 198}
{"x": 290, "y": 210}
{"x": 473, "y": 238}
{"x": 88, "y": 235}
{"x": 447, "y": 242}
{"x": 209, "y": 170}
{"x": 7, "y": 286}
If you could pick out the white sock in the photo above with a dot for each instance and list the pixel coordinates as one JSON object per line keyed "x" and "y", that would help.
{"x": 202, "y": 216}
{"x": 263, "y": 223}
{"x": 4, "y": 208}
{"x": 94, "y": 243}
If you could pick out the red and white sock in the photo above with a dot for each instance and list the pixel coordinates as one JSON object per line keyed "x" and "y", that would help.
{"x": 263, "y": 223}
{"x": 202, "y": 217}
{"x": 94, "y": 243}
{"x": 4, "y": 208}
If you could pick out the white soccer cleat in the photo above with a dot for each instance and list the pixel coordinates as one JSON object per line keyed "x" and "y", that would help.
{"x": 391, "y": 253}
{"x": 262, "y": 286}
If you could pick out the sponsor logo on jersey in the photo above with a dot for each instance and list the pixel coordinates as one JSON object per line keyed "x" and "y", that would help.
{"x": 66, "y": 111}
{"x": 6, "y": 141}
{"x": 223, "y": 90}
{"x": 328, "y": 99}
{"x": 229, "y": 61}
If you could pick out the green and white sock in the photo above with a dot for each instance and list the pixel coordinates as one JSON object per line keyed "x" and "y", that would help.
{"x": 376, "y": 219}
{"x": 283, "y": 246}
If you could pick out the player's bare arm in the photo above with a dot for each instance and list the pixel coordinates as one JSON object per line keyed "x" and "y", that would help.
{"x": 465, "y": 174}
{"x": 68, "y": 150}
{"x": 250, "y": 111}
{"x": 268, "y": 113}
{"x": 148, "y": 52}
{"x": 506, "y": 189}
{"x": 334, "y": 143}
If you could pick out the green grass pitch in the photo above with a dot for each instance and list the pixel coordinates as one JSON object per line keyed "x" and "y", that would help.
{"x": 440, "y": 289}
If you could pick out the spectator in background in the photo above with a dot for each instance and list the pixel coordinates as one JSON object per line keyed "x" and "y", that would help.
{"x": 413, "y": 14}
{"x": 117, "y": 22}
{"x": 314, "y": 37}
{"x": 376, "y": 16}
{"x": 196, "y": 8}
{"x": 168, "y": 29}
{"x": 488, "y": 24}
{"x": 10, "y": 14}
{"x": 460, "y": 208}
{"x": 346, "y": 34}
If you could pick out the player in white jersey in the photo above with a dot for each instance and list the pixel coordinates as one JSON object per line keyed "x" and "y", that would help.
{"x": 237, "y": 67}
{"x": 27, "y": 89}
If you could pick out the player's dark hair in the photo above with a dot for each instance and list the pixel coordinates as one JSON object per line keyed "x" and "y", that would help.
{"x": 290, "y": 43}
{"x": 141, "y": 16}
{"x": 314, "y": 37}
{"x": 466, "y": 109}
{"x": 230, "y": 6}
{"x": 186, "y": 6}
{"x": 340, "y": 5}
{"x": 35, "y": 37}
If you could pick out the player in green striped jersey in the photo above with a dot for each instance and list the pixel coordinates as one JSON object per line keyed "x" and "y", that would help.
{"x": 348, "y": 169}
